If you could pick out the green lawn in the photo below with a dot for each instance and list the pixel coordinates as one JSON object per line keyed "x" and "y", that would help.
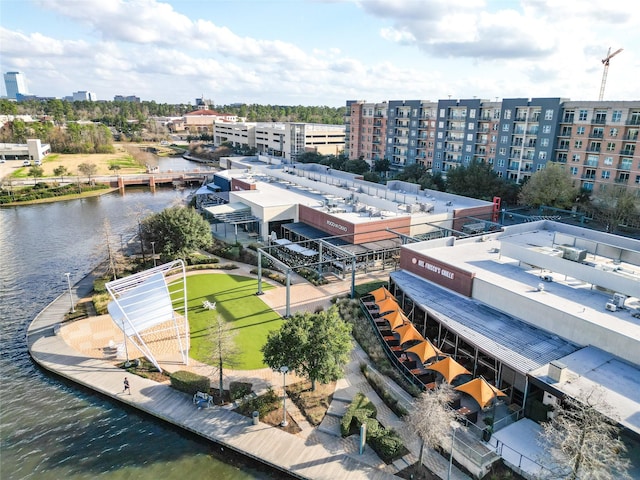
{"x": 237, "y": 302}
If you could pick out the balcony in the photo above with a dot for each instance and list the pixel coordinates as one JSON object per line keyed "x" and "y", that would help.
{"x": 598, "y": 121}
{"x": 596, "y": 135}
{"x": 621, "y": 180}
{"x": 593, "y": 149}
{"x": 624, "y": 166}
{"x": 628, "y": 152}
{"x": 591, "y": 176}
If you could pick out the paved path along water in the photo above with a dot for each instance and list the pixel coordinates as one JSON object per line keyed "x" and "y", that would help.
{"x": 315, "y": 453}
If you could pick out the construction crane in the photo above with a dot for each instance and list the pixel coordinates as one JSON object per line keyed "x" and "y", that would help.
{"x": 605, "y": 61}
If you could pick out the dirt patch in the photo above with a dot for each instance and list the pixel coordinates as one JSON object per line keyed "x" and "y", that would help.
{"x": 312, "y": 403}
{"x": 274, "y": 418}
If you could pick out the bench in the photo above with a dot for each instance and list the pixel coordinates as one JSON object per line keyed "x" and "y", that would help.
{"x": 202, "y": 400}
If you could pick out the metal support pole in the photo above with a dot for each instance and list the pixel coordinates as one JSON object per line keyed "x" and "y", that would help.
{"x": 353, "y": 277}
{"x": 153, "y": 250}
{"x": 454, "y": 426}
{"x": 288, "y": 301}
{"x": 68, "y": 274}
{"x": 284, "y": 369}
{"x": 259, "y": 292}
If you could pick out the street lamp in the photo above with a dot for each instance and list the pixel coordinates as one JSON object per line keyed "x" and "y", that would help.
{"x": 454, "y": 426}
{"x": 153, "y": 250}
{"x": 70, "y": 295}
{"x": 284, "y": 369}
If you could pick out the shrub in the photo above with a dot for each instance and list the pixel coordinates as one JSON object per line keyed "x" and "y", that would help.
{"x": 358, "y": 411}
{"x": 239, "y": 389}
{"x": 388, "y": 445}
{"x": 190, "y": 382}
{"x": 263, "y": 404}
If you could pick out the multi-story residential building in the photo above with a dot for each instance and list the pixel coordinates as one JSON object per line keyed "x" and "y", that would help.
{"x": 286, "y": 140}
{"x": 595, "y": 140}
{"x": 16, "y": 85}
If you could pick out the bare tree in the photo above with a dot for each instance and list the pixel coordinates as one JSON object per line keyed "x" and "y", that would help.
{"x": 115, "y": 258}
{"x": 88, "y": 169}
{"x": 222, "y": 348}
{"x": 431, "y": 417}
{"x": 584, "y": 443}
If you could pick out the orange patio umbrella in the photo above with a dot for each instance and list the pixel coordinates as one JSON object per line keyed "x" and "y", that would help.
{"x": 380, "y": 294}
{"x": 425, "y": 350}
{"x": 396, "y": 319}
{"x": 388, "y": 305}
{"x": 449, "y": 369}
{"x": 408, "y": 332}
{"x": 481, "y": 391}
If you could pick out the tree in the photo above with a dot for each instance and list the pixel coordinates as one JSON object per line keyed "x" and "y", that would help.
{"x": 36, "y": 172}
{"x": 222, "y": 348}
{"x": 316, "y": 345}
{"x": 114, "y": 167}
{"x": 381, "y": 166}
{"x": 358, "y": 167}
{"x": 431, "y": 417}
{"x": 177, "y": 231}
{"x": 88, "y": 169}
{"x": 61, "y": 171}
{"x": 615, "y": 206}
{"x": 584, "y": 443}
{"x": 476, "y": 180}
{"x": 551, "y": 186}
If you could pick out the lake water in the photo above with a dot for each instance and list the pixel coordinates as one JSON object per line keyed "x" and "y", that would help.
{"x": 54, "y": 429}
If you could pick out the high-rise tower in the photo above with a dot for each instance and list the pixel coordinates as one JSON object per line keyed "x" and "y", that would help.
{"x": 16, "y": 84}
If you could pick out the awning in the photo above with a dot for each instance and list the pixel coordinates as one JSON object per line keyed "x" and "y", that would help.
{"x": 388, "y": 305}
{"x": 380, "y": 294}
{"x": 481, "y": 391}
{"x": 407, "y": 333}
{"x": 425, "y": 350}
{"x": 396, "y": 319}
{"x": 449, "y": 368}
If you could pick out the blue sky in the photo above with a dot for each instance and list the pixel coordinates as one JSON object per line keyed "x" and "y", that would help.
{"x": 321, "y": 52}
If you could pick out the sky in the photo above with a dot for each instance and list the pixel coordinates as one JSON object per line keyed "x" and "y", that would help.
{"x": 322, "y": 52}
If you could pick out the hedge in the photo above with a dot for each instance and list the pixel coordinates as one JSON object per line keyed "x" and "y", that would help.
{"x": 190, "y": 382}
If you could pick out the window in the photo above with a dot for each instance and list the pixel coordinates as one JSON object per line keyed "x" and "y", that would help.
{"x": 578, "y": 144}
{"x": 441, "y": 124}
{"x": 493, "y": 138}
{"x": 576, "y": 157}
{"x": 505, "y": 127}
{"x": 637, "y": 179}
{"x": 608, "y": 160}
{"x": 472, "y": 113}
{"x": 587, "y": 186}
{"x": 546, "y": 129}
{"x": 467, "y": 159}
{"x": 469, "y": 137}
{"x": 540, "y": 167}
{"x": 440, "y": 135}
{"x": 582, "y": 115}
{"x": 611, "y": 146}
{"x": 574, "y": 170}
{"x": 542, "y": 155}
{"x": 443, "y": 112}
{"x": 548, "y": 114}
{"x": 616, "y": 116}
{"x": 544, "y": 142}
{"x": 501, "y": 162}
{"x": 502, "y": 151}
{"x": 507, "y": 114}
{"x": 467, "y": 148}
{"x": 606, "y": 174}
{"x": 613, "y": 132}
{"x": 470, "y": 126}
{"x": 504, "y": 139}
{"x": 601, "y": 116}
{"x": 580, "y": 130}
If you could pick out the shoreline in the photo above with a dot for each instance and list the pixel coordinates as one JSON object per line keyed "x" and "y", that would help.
{"x": 318, "y": 456}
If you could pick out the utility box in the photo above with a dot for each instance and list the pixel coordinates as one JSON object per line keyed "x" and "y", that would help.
{"x": 255, "y": 417}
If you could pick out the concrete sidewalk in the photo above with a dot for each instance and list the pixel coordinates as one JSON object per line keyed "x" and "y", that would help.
{"x": 316, "y": 453}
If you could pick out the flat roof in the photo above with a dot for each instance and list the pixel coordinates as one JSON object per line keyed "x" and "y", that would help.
{"x": 519, "y": 345}
{"x": 590, "y": 369}
{"x": 570, "y": 295}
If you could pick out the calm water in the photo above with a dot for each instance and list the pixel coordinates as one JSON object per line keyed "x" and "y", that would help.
{"x": 51, "y": 429}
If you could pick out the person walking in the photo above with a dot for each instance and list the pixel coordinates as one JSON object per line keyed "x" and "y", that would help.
{"x": 126, "y": 386}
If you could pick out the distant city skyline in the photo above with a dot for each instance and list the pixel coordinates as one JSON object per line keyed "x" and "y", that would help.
{"x": 321, "y": 52}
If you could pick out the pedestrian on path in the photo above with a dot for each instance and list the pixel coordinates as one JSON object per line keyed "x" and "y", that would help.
{"x": 126, "y": 386}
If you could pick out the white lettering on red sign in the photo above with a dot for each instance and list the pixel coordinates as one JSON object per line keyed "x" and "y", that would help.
{"x": 433, "y": 268}
{"x": 336, "y": 225}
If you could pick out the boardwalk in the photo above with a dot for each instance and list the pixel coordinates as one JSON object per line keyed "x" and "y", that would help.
{"x": 315, "y": 453}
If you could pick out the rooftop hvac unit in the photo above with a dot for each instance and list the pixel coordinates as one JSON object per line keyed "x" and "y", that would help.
{"x": 611, "y": 307}
{"x": 618, "y": 300}
{"x": 574, "y": 254}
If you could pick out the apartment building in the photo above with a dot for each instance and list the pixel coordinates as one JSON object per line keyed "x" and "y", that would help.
{"x": 595, "y": 140}
{"x": 283, "y": 139}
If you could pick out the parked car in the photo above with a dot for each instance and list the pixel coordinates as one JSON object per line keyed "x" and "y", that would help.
{"x": 37, "y": 163}
{"x": 26, "y": 163}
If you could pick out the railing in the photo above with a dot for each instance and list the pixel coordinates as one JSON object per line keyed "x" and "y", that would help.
{"x": 520, "y": 462}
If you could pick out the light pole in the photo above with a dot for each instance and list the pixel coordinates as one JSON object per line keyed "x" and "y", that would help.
{"x": 73, "y": 310}
{"x": 284, "y": 369}
{"x": 153, "y": 251}
{"x": 454, "y": 426}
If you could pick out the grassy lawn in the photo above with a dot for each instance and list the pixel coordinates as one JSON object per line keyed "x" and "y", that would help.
{"x": 237, "y": 302}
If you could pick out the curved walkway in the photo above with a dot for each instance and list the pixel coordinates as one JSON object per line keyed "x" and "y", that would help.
{"x": 314, "y": 453}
